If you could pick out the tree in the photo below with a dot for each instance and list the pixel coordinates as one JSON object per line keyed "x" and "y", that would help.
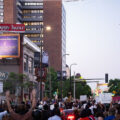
{"x": 81, "y": 88}
{"x": 114, "y": 86}
{"x": 51, "y": 76}
{"x": 16, "y": 82}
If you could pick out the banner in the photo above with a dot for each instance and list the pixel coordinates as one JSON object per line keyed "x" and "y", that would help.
{"x": 83, "y": 97}
{"x": 45, "y": 58}
{"x": 9, "y": 46}
{"x": 12, "y": 27}
{"x": 105, "y": 97}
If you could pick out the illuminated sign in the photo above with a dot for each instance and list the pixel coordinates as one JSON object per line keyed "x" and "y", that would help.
{"x": 12, "y": 27}
{"x": 9, "y": 46}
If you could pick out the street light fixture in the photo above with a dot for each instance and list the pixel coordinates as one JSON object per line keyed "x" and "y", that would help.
{"x": 48, "y": 28}
{"x": 70, "y": 77}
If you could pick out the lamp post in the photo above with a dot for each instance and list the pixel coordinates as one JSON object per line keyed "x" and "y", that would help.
{"x": 62, "y": 79}
{"x": 47, "y": 28}
{"x": 70, "y": 77}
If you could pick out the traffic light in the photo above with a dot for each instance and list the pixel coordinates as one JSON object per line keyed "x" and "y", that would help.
{"x": 64, "y": 75}
{"x": 106, "y": 78}
{"x": 58, "y": 75}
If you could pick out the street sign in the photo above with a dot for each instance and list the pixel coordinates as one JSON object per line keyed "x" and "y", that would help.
{"x": 3, "y": 75}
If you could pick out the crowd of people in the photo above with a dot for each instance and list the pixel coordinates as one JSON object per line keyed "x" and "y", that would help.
{"x": 35, "y": 110}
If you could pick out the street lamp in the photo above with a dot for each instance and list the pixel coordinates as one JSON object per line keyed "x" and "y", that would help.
{"x": 70, "y": 77}
{"x": 62, "y": 78}
{"x": 47, "y": 28}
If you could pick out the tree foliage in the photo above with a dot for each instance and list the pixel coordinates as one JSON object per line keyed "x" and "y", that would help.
{"x": 16, "y": 81}
{"x": 81, "y": 88}
{"x": 51, "y": 76}
{"x": 114, "y": 86}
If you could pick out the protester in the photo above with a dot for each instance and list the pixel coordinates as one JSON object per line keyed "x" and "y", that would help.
{"x": 111, "y": 114}
{"x": 56, "y": 115}
{"x": 24, "y": 116}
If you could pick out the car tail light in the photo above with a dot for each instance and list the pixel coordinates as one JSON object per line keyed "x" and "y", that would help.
{"x": 61, "y": 110}
{"x": 70, "y": 117}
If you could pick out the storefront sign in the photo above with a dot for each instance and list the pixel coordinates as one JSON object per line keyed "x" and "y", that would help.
{"x": 12, "y": 27}
{"x": 3, "y": 75}
{"x": 9, "y": 46}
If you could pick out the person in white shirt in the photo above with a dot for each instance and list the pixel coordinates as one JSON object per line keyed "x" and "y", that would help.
{"x": 3, "y": 114}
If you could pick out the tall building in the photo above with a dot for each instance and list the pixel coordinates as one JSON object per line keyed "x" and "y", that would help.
{"x": 1, "y": 11}
{"x": 45, "y": 25}
{"x": 55, "y": 40}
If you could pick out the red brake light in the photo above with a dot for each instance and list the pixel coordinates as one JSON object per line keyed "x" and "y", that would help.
{"x": 61, "y": 110}
{"x": 70, "y": 117}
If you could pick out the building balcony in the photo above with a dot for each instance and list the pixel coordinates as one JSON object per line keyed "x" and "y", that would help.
{"x": 19, "y": 6}
{"x": 19, "y": 18}
{"x": 34, "y": 26}
{"x": 32, "y": 31}
{"x": 35, "y": 38}
{"x": 32, "y": 14}
{"x": 32, "y": 7}
{"x": 32, "y": 19}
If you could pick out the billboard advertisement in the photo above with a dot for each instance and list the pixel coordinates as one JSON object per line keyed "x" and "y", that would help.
{"x": 10, "y": 46}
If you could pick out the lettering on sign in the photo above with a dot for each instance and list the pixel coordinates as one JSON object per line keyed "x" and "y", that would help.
{"x": 3, "y": 75}
{"x": 12, "y": 27}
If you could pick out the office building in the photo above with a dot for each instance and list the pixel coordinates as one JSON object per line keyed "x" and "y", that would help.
{"x": 45, "y": 25}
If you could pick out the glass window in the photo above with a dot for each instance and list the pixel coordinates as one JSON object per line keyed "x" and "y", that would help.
{"x": 41, "y": 11}
{"x": 25, "y": 23}
{"x": 26, "y": 63}
{"x": 1, "y": 20}
{"x": 1, "y": 6}
{"x": 30, "y": 65}
{"x": 1, "y": 14}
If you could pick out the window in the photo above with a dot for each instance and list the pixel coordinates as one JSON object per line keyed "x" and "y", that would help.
{"x": 41, "y": 35}
{"x": 1, "y": 20}
{"x": 33, "y": 3}
{"x": 25, "y": 63}
{"x": 41, "y": 11}
{"x": 1, "y": 6}
{"x": 25, "y": 23}
{"x": 30, "y": 65}
{"x": 1, "y": 14}
{"x": 35, "y": 35}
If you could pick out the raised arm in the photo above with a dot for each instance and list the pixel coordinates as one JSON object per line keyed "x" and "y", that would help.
{"x": 8, "y": 101}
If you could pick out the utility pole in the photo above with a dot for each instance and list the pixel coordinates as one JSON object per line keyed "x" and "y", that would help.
{"x": 74, "y": 87}
{"x": 41, "y": 72}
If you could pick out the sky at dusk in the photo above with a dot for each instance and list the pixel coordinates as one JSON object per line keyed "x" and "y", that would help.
{"x": 93, "y": 37}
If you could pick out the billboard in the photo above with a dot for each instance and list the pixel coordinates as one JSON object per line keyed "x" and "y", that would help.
{"x": 9, "y": 46}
